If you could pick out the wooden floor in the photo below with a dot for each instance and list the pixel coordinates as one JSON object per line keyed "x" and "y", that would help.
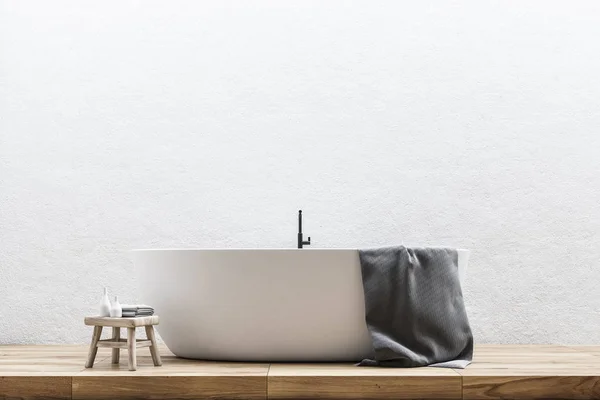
{"x": 497, "y": 372}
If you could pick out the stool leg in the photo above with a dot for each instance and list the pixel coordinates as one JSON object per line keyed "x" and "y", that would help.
{"x": 153, "y": 349}
{"x": 131, "y": 347}
{"x": 116, "y": 336}
{"x": 94, "y": 346}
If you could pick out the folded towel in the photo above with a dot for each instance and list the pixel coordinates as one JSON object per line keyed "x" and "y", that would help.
{"x": 135, "y": 306}
{"x": 137, "y": 310}
{"x": 414, "y": 308}
{"x": 132, "y": 314}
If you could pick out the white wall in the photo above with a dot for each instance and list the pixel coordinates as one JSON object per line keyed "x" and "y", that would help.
{"x": 129, "y": 124}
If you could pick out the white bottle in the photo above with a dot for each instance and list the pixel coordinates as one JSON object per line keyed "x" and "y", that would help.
{"x": 105, "y": 305}
{"x": 115, "y": 310}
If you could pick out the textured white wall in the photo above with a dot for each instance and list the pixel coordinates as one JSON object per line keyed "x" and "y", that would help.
{"x": 129, "y": 124}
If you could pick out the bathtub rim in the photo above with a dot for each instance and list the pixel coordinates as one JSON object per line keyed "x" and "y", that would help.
{"x": 270, "y": 249}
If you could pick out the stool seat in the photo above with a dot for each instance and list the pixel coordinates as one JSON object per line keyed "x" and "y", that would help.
{"x": 126, "y": 322}
{"x": 116, "y": 343}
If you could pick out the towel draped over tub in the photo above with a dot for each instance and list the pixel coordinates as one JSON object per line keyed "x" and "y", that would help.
{"x": 414, "y": 308}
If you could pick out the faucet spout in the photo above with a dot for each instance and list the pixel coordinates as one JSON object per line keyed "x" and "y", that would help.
{"x": 301, "y": 241}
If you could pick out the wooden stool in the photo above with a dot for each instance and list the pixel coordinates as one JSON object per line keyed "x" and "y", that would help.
{"x": 116, "y": 343}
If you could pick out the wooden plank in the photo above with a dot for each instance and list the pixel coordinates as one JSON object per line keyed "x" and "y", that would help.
{"x": 122, "y": 322}
{"x": 176, "y": 379}
{"x": 347, "y": 381}
{"x": 592, "y": 350}
{"x": 35, "y": 387}
{"x": 498, "y": 371}
{"x": 531, "y": 372}
{"x": 24, "y": 350}
{"x": 531, "y": 387}
{"x": 531, "y": 360}
{"x": 169, "y": 387}
{"x": 55, "y": 351}
{"x": 174, "y": 366}
{"x": 46, "y": 361}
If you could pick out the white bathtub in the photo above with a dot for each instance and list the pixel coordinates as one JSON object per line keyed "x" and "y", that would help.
{"x": 259, "y": 304}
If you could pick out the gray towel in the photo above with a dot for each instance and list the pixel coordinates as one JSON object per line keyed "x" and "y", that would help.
{"x": 137, "y": 310}
{"x": 414, "y": 308}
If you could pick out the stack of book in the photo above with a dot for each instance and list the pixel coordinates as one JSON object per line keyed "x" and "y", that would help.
{"x": 137, "y": 310}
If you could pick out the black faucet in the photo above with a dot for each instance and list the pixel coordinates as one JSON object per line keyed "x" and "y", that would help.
{"x": 301, "y": 241}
